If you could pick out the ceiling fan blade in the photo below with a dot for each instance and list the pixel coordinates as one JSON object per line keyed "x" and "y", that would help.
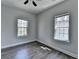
{"x": 26, "y": 2}
{"x": 34, "y": 3}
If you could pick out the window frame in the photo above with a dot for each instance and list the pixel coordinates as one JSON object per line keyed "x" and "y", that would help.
{"x": 58, "y": 16}
{"x": 23, "y": 36}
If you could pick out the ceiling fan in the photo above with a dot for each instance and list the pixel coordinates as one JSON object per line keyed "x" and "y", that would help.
{"x": 33, "y": 2}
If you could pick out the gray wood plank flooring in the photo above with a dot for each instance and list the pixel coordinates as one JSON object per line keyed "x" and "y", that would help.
{"x": 32, "y": 51}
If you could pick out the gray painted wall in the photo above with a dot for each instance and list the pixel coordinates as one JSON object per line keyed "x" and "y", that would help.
{"x": 45, "y": 26}
{"x": 8, "y": 25}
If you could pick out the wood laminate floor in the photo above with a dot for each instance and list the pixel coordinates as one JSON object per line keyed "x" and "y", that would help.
{"x": 32, "y": 51}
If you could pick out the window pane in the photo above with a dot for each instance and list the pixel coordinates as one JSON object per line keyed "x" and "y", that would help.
{"x": 56, "y": 36}
{"x": 22, "y": 23}
{"x": 66, "y": 30}
{"x": 22, "y": 31}
{"x": 61, "y": 36}
{"x": 61, "y": 30}
{"x": 57, "y": 30}
{"x": 65, "y": 24}
{"x": 19, "y": 31}
{"x": 66, "y": 37}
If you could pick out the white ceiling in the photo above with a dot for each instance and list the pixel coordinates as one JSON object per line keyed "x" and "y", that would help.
{"x": 41, "y": 4}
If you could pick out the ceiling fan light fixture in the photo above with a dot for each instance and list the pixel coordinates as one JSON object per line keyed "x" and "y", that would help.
{"x": 26, "y": 2}
{"x": 34, "y": 3}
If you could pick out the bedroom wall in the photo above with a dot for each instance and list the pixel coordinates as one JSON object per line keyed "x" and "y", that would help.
{"x": 45, "y": 27}
{"x": 9, "y": 16}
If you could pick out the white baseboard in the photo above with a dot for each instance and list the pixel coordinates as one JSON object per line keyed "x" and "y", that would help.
{"x": 61, "y": 50}
{"x": 16, "y": 44}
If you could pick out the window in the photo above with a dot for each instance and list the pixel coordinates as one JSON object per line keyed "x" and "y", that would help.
{"x": 22, "y": 27}
{"x": 62, "y": 28}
